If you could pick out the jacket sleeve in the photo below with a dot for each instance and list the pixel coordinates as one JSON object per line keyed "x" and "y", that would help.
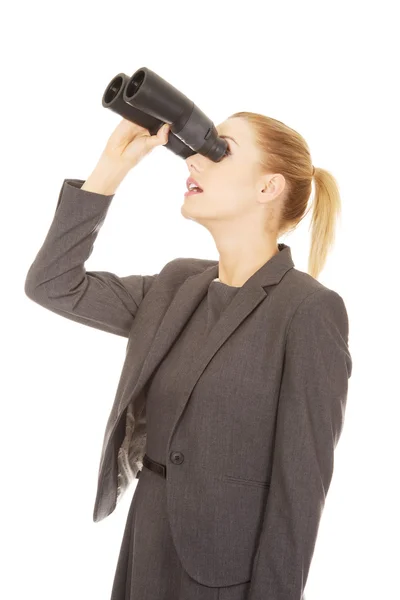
{"x": 57, "y": 279}
{"x": 310, "y": 417}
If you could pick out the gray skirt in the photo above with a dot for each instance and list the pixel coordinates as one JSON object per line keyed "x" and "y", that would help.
{"x": 148, "y": 567}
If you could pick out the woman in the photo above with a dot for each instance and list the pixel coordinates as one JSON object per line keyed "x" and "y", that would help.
{"x": 234, "y": 386}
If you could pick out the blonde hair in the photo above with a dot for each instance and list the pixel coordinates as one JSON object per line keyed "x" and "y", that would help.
{"x": 285, "y": 151}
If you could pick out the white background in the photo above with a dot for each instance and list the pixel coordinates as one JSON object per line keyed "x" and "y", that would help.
{"x": 328, "y": 70}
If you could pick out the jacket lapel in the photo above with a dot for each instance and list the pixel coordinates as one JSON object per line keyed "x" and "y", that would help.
{"x": 185, "y": 302}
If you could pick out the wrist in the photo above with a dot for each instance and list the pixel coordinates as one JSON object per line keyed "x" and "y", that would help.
{"x": 105, "y": 179}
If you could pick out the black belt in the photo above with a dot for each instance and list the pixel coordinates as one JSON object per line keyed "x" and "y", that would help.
{"x": 153, "y": 465}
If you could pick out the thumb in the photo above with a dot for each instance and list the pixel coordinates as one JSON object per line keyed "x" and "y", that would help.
{"x": 163, "y": 132}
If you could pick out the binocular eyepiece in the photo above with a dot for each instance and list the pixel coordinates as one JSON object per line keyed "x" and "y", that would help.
{"x": 148, "y": 100}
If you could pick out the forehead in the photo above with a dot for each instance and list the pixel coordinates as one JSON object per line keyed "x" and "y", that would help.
{"x": 247, "y": 153}
{"x": 238, "y": 128}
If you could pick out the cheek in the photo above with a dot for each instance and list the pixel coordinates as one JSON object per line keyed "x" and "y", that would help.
{"x": 232, "y": 200}
{"x": 229, "y": 180}
{"x": 230, "y": 188}
{"x": 235, "y": 191}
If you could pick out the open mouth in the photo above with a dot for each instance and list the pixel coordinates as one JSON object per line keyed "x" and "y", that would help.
{"x": 193, "y": 192}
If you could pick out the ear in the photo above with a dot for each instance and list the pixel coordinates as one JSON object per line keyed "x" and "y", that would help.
{"x": 272, "y": 186}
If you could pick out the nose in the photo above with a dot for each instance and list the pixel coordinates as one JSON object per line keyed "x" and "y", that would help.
{"x": 191, "y": 164}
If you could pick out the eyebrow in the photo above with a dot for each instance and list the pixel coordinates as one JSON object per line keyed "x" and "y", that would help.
{"x": 229, "y": 137}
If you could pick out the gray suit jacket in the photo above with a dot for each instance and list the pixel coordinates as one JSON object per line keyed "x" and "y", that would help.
{"x": 250, "y": 512}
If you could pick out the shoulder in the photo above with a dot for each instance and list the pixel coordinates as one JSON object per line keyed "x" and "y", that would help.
{"x": 307, "y": 292}
{"x": 179, "y": 269}
{"x": 192, "y": 264}
{"x": 320, "y": 313}
{"x": 309, "y": 303}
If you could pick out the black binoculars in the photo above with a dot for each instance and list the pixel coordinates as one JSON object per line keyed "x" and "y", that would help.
{"x": 148, "y": 100}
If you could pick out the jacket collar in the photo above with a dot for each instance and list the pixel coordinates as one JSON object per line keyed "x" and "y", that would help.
{"x": 268, "y": 274}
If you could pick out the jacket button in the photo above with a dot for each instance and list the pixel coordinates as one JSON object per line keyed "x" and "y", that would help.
{"x": 176, "y": 458}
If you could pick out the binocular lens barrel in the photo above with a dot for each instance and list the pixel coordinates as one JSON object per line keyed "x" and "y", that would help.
{"x": 147, "y": 99}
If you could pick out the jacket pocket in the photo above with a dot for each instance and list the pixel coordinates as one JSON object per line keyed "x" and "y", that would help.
{"x": 232, "y": 479}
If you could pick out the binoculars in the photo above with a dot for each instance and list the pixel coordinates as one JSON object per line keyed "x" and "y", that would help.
{"x": 148, "y": 100}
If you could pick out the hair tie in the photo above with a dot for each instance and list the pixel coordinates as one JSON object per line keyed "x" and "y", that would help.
{"x": 313, "y": 171}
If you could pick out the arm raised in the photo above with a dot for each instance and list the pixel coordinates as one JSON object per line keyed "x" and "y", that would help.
{"x": 57, "y": 279}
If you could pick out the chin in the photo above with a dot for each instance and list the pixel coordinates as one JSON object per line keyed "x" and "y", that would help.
{"x": 194, "y": 214}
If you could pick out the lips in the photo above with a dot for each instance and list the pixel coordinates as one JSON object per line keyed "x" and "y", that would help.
{"x": 193, "y": 181}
